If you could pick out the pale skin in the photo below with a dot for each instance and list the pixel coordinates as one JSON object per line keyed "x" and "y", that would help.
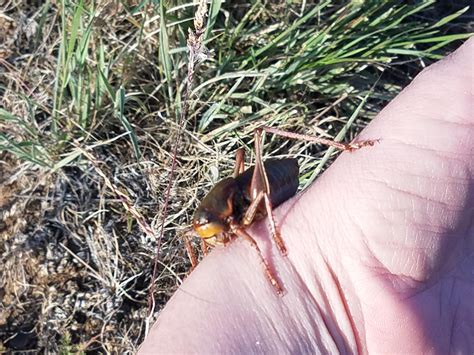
{"x": 380, "y": 249}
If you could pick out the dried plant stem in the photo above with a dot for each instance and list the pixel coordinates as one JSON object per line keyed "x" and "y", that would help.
{"x": 196, "y": 51}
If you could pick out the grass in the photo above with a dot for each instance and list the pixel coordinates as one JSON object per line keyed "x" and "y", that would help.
{"x": 92, "y": 94}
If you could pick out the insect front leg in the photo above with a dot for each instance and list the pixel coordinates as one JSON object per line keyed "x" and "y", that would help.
{"x": 204, "y": 247}
{"x": 187, "y": 237}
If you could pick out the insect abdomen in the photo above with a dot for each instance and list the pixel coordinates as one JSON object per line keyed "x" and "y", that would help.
{"x": 282, "y": 177}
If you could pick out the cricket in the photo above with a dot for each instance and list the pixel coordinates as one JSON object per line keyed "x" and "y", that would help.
{"x": 236, "y": 202}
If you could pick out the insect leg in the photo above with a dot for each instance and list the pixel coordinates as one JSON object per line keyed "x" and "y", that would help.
{"x": 273, "y": 227}
{"x": 189, "y": 248}
{"x": 239, "y": 162}
{"x": 250, "y": 215}
{"x": 342, "y": 146}
{"x": 259, "y": 178}
{"x": 240, "y": 232}
{"x": 260, "y": 188}
{"x": 204, "y": 247}
{"x": 252, "y": 209}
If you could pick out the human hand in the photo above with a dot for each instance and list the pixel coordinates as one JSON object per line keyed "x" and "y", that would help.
{"x": 380, "y": 248}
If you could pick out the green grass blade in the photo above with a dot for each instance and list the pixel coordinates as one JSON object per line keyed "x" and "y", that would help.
{"x": 120, "y": 102}
{"x": 214, "y": 8}
{"x": 164, "y": 52}
{"x": 449, "y": 18}
{"x": 209, "y": 115}
{"x": 280, "y": 38}
{"x": 26, "y": 150}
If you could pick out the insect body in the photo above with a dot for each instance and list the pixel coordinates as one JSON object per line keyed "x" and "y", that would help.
{"x": 225, "y": 205}
{"x": 235, "y": 202}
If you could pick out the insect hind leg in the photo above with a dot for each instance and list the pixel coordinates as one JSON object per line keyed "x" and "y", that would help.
{"x": 239, "y": 167}
{"x": 318, "y": 140}
{"x": 273, "y": 226}
{"x": 260, "y": 188}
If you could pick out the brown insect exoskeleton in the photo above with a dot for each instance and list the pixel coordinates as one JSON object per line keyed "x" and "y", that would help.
{"x": 236, "y": 202}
